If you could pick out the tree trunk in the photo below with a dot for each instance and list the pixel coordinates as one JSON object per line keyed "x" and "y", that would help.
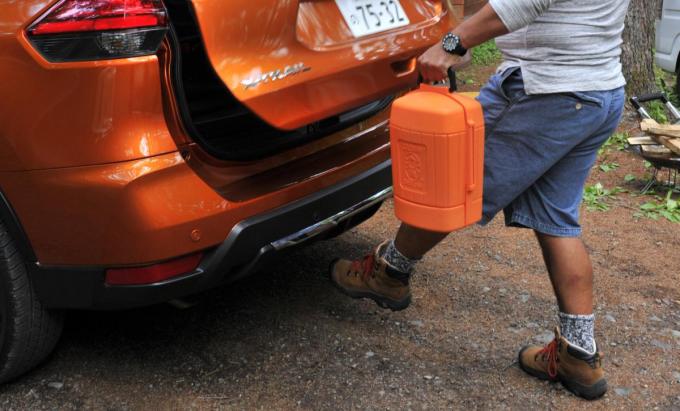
{"x": 638, "y": 42}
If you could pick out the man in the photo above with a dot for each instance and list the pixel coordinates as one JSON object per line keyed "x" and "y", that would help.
{"x": 556, "y": 98}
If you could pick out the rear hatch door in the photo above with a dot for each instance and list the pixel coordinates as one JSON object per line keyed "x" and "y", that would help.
{"x": 293, "y": 62}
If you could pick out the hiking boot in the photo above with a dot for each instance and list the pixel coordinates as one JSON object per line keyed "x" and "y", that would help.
{"x": 578, "y": 371}
{"x": 372, "y": 277}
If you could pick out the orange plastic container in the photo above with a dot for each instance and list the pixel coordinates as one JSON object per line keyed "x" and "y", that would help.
{"x": 437, "y": 142}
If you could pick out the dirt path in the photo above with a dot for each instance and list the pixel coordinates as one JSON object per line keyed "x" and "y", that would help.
{"x": 286, "y": 339}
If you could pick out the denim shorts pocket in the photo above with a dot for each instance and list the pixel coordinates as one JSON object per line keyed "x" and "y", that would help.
{"x": 587, "y": 97}
{"x": 511, "y": 85}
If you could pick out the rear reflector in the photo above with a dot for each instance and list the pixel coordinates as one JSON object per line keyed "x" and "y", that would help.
{"x": 153, "y": 273}
{"x": 77, "y": 30}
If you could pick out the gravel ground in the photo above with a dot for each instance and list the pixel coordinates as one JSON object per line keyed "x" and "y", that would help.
{"x": 286, "y": 339}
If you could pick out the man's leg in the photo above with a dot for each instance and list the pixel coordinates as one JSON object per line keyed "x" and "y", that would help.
{"x": 413, "y": 243}
{"x": 410, "y": 245}
{"x": 572, "y": 357}
{"x": 551, "y": 207}
{"x": 571, "y": 275}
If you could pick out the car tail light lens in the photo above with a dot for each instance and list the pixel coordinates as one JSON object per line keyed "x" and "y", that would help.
{"x": 153, "y": 273}
{"x": 78, "y": 30}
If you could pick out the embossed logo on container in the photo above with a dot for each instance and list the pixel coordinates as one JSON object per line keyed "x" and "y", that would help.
{"x": 413, "y": 167}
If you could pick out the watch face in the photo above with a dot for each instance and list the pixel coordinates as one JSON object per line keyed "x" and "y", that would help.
{"x": 450, "y": 42}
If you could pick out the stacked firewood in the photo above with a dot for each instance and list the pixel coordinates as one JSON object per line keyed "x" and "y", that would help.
{"x": 663, "y": 140}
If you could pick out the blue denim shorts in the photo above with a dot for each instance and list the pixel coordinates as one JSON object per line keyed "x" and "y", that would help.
{"x": 539, "y": 150}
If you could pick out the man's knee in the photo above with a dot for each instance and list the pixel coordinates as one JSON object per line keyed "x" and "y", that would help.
{"x": 567, "y": 259}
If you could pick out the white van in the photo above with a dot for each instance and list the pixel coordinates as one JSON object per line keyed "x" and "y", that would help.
{"x": 668, "y": 38}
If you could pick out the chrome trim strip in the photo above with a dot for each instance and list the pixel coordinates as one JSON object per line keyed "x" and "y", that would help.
{"x": 330, "y": 222}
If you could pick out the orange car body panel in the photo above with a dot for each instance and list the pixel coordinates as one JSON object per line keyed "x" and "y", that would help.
{"x": 74, "y": 114}
{"x": 99, "y": 170}
{"x": 146, "y": 210}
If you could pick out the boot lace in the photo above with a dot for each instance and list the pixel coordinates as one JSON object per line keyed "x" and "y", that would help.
{"x": 363, "y": 267}
{"x": 549, "y": 354}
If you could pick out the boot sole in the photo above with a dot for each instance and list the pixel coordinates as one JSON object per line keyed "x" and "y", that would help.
{"x": 383, "y": 302}
{"x": 588, "y": 392}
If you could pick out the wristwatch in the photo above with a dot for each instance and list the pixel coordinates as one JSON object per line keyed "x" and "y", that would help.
{"x": 451, "y": 44}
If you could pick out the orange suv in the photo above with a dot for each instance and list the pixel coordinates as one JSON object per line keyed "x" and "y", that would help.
{"x": 152, "y": 149}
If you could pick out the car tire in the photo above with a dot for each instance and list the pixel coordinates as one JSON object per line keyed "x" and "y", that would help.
{"x": 28, "y": 331}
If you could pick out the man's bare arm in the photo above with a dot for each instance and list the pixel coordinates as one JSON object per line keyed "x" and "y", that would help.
{"x": 484, "y": 25}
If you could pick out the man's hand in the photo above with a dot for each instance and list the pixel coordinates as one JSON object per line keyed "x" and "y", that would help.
{"x": 480, "y": 27}
{"x": 435, "y": 62}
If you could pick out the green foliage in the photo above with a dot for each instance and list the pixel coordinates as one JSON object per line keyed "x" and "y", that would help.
{"x": 657, "y": 110}
{"x": 607, "y": 167}
{"x": 629, "y": 178}
{"x": 596, "y": 197}
{"x": 486, "y": 54}
{"x": 618, "y": 141}
{"x": 667, "y": 208}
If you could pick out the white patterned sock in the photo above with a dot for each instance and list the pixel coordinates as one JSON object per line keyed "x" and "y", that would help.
{"x": 397, "y": 259}
{"x": 579, "y": 330}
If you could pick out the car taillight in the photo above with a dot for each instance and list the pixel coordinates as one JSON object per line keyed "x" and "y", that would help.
{"x": 78, "y": 30}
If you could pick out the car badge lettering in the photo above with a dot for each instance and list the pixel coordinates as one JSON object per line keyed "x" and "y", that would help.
{"x": 275, "y": 75}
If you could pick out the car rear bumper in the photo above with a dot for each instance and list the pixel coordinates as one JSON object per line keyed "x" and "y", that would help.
{"x": 250, "y": 245}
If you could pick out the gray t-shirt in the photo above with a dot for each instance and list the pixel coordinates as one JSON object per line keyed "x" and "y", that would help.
{"x": 563, "y": 45}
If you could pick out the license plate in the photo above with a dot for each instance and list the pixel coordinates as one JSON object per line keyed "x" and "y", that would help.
{"x": 366, "y": 17}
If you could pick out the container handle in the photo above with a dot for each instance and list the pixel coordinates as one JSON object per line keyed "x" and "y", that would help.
{"x": 471, "y": 181}
{"x": 451, "y": 73}
{"x": 453, "y": 86}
